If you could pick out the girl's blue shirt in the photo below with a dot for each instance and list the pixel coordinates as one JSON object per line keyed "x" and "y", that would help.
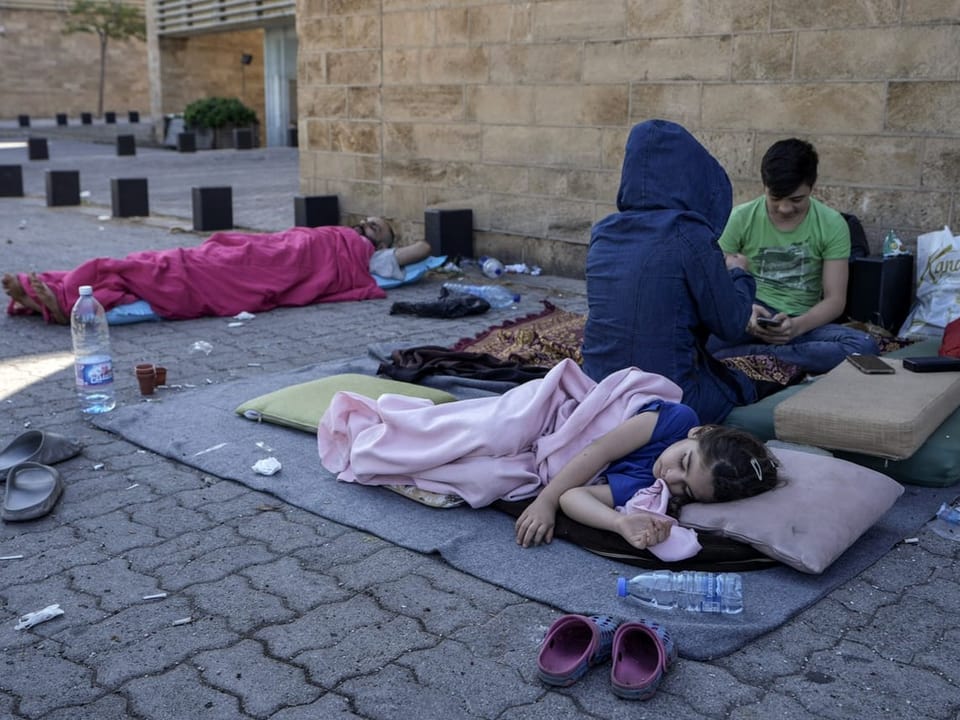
{"x": 635, "y": 471}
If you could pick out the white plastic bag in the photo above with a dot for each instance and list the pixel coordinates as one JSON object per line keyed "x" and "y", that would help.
{"x": 938, "y": 285}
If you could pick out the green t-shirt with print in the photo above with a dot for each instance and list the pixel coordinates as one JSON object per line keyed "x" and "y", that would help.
{"x": 788, "y": 266}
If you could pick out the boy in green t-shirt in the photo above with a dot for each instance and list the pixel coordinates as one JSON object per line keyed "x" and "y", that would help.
{"x": 798, "y": 250}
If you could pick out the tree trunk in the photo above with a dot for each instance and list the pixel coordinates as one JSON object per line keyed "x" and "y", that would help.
{"x": 103, "y": 72}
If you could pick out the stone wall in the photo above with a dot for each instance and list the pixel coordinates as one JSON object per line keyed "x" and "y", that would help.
{"x": 208, "y": 65}
{"x": 519, "y": 110}
{"x": 46, "y": 72}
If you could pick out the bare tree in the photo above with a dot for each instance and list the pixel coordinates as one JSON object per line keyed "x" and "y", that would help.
{"x": 110, "y": 19}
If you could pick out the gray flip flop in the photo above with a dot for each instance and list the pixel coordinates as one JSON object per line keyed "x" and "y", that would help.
{"x": 37, "y": 446}
{"x": 32, "y": 491}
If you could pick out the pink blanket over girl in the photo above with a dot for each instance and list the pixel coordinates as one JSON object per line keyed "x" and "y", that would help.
{"x": 506, "y": 446}
{"x": 228, "y": 273}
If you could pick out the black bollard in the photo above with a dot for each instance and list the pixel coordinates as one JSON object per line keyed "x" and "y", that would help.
{"x": 129, "y": 197}
{"x": 212, "y": 208}
{"x": 133, "y": 116}
{"x": 293, "y": 139}
{"x": 242, "y": 138}
{"x": 61, "y": 119}
{"x": 110, "y": 118}
{"x": 23, "y": 120}
{"x": 11, "y": 181}
{"x": 316, "y": 210}
{"x": 186, "y": 142}
{"x": 126, "y": 145}
{"x": 63, "y": 187}
{"x": 37, "y": 149}
{"x": 86, "y": 118}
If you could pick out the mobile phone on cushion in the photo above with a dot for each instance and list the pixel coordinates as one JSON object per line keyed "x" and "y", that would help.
{"x": 768, "y": 322}
{"x": 934, "y": 363}
{"x": 870, "y": 364}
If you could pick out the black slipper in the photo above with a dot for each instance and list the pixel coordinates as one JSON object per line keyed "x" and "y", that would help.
{"x": 32, "y": 491}
{"x": 37, "y": 446}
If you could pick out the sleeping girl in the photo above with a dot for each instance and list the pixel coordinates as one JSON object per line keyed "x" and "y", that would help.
{"x": 544, "y": 439}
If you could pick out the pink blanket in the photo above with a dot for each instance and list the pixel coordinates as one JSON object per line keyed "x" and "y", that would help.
{"x": 228, "y": 273}
{"x": 506, "y": 446}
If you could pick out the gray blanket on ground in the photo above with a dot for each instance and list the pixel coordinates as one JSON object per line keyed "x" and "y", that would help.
{"x": 198, "y": 427}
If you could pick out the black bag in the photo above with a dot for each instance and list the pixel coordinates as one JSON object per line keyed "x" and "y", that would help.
{"x": 859, "y": 247}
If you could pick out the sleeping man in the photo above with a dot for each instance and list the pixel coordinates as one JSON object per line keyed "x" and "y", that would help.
{"x": 228, "y": 273}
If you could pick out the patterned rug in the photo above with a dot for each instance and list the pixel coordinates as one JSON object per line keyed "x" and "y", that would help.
{"x": 551, "y": 335}
{"x": 544, "y": 338}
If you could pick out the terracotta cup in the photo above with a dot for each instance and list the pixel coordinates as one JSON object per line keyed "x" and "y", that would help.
{"x": 147, "y": 377}
{"x": 160, "y": 375}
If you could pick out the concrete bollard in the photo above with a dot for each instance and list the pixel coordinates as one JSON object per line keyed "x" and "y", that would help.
{"x": 129, "y": 198}
{"x": 212, "y": 208}
{"x": 316, "y": 210}
{"x": 63, "y": 187}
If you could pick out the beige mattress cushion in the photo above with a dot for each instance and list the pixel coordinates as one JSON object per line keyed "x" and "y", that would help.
{"x": 887, "y": 416}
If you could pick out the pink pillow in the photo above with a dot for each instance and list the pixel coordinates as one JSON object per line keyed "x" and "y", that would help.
{"x": 822, "y": 506}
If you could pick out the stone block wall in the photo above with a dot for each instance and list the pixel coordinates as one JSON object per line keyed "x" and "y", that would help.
{"x": 45, "y": 72}
{"x": 520, "y": 110}
{"x": 209, "y": 65}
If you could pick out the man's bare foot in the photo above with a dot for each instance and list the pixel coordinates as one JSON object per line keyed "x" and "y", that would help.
{"x": 47, "y": 298}
{"x": 13, "y": 288}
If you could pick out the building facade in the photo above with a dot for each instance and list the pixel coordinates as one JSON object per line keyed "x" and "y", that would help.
{"x": 520, "y": 110}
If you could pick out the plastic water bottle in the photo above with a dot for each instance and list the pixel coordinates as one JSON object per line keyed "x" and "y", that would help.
{"x": 497, "y": 296}
{"x": 491, "y": 267}
{"x": 93, "y": 363}
{"x": 704, "y": 592}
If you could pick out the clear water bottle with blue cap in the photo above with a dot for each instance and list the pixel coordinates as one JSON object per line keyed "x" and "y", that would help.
{"x": 93, "y": 363}
{"x": 704, "y": 592}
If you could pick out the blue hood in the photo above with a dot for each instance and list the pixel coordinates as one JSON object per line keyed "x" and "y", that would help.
{"x": 688, "y": 178}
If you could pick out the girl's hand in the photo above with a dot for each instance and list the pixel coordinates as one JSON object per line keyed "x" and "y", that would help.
{"x": 644, "y": 529}
{"x": 535, "y": 525}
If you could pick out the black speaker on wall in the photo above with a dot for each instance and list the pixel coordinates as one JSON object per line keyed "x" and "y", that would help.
{"x": 449, "y": 232}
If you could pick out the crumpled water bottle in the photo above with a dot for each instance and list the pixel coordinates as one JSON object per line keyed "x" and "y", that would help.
{"x": 497, "y": 295}
{"x": 947, "y": 522}
{"x": 491, "y": 267}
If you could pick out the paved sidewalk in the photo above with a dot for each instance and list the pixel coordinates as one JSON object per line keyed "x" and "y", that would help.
{"x": 296, "y": 617}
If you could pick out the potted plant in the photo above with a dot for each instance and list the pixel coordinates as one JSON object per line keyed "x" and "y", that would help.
{"x": 215, "y": 118}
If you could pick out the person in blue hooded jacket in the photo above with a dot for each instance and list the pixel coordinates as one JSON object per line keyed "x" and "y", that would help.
{"x": 658, "y": 285}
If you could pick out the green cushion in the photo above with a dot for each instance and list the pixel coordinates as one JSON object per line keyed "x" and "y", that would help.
{"x": 301, "y": 406}
{"x": 935, "y": 464}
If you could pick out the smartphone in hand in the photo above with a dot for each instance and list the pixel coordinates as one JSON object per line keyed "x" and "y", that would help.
{"x": 766, "y": 322}
{"x": 870, "y": 364}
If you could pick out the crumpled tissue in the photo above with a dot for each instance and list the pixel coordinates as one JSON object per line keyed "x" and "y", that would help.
{"x": 267, "y": 466}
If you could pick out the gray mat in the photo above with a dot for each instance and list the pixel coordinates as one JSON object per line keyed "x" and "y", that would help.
{"x": 198, "y": 427}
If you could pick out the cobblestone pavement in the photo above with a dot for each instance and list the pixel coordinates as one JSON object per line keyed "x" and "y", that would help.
{"x": 296, "y": 617}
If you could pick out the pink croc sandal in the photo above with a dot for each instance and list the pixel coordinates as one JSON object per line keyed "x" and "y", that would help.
{"x": 642, "y": 653}
{"x": 573, "y": 644}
